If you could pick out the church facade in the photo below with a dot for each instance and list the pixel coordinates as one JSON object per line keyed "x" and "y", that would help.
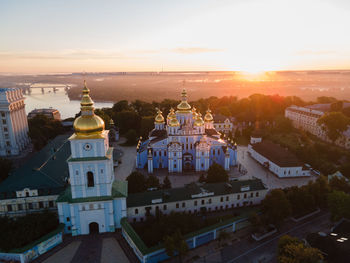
{"x": 94, "y": 201}
{"x": 184, "y": 142}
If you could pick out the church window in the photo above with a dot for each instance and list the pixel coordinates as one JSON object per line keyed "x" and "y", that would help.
{"x": 20, "y": 207}
{"x": 174, "y": 165}
{"x": 174, "y": 154}
{"x": 238, "y": 197}
{"x": 91, "y": 206}
{"x": 284, "y": 172}
{"x": 195, "y": 203}
{"x": 76, "y": 172}
{"x": 9, "y": 208}
{"x": 30, "y": 205}
{"x": 202, "y": 202}
{"x": 155, "y": 153}
{"x": 160, "y": 153}
{"x": 68, "y": 228}
{"x": 136, "y": 211}
{"x": 213, "y": 151}
{"x": 3, "y": 121}
{"x": 41, "y": 204}
{"x": 257, "y": 194}
{"x": 191, "y": 146}
{"x": 164, "y": 207}
{"x": 251, "y": 194}
{"x": 202, "y": 165}
{"x": 209, "y": 200}
{"x": 245, "y": 195}
{"x": 101, "y": 171}
{"x": 3, "y": 114}
{"x": 67, "y": 219}
{"x": 183, "y": 204}
{"x": 227, "y": 198}
{"x": 218, "y": 151}
{"x": 186, "y": 140}
{"x": 164, "y": 153}
{"x": 27, "y": 194}
{"x": 221, "y": 199}
{"x": 177, "y": 205}
{"x": 202, "y": 153}
{"x": 90, "y": 179}
{"x": 50, "y": 203}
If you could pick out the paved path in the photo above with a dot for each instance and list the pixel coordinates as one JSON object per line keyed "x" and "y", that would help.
{"x": 128, "y": 160}
{"x": 104, "y": 248}
{"x": 242, "y": 248}
{"x": 64, "y": 255}
{"x": 254, "y": 169}
{"x": 112, "y": 252}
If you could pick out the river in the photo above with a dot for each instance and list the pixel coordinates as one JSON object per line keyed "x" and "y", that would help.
{"x": 58, "y": 100}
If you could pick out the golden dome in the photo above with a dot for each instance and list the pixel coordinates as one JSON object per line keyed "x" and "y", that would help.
{"x": 208, "y": 117}
{"x": 174, "y": 122}
{"x": 159, "y": 118}
{"x": 199, "y": 121}
{"x": 171, "y": 114}
{"x": 194, "y": 113}
{"x": 184, "y": 107}
{"x": 88, "y": 125}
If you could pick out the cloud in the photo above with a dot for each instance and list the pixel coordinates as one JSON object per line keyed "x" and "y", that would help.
{"x": 315, "y": 52}
{"x": 71, "y": 54}
{"x": 195, "y": 50}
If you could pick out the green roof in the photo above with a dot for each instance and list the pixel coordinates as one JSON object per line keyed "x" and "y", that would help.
{"x": 185, "y": 193}
{"x": 146, "y": 250}
{"x": 46, "y": 171}
{"x": 119, "y": 189}
{"x": 108, "y": 156}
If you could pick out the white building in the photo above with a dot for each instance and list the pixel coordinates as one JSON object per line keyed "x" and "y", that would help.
{"x": 13, "y": 124}
{"x": 223, "y": 124}
{"x": 306, "y": 119}
{"x": 195, "y": 198}
{"x": 94, "y": 202}
{"x": 49, "y": 113}
{"x": 277, "y": 159}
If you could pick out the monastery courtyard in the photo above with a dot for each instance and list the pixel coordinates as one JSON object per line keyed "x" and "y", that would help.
{"x": 249, "y": 166}
{"x": 92, "y": 248}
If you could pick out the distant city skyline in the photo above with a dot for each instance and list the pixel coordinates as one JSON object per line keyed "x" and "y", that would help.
{"x": 108, "y": 36}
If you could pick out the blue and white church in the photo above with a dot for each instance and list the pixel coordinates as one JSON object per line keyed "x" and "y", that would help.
{"x": 94, "y": 201}
{"x": 184, "y": 142}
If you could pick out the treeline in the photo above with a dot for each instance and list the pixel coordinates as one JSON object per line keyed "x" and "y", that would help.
{"x": 42, "y": 129}
{"x": 299, "y": 201}
{"x": 20, "y": 231}
{"x": 138, "y": 116}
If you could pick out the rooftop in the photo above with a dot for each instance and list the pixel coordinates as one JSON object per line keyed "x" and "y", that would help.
{"x": 193, "y": 191}
{"x": 46, "y": 171}
{"x": 277, "y": 154}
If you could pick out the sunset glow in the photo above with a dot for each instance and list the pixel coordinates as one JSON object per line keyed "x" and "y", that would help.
{"x": 252, "y": 36}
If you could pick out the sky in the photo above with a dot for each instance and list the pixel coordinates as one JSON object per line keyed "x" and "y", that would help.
{"x": 154, "y": 35}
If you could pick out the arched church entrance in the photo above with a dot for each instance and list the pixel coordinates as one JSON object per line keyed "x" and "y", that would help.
{"x": 93, "y": 228}
{"x": 187, "y": 161}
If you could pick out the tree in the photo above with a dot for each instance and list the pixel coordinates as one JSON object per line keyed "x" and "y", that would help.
{"x": 5, "y": 168}
{"x": 223, "y": 235}
{"x": 339, "y": 205}
{"x": 152, "y": 182}
{"x": 176, "y": 243}
{"x": 216, "y": 174}
{"x": 276, "y": 206}
{"x": 166, "y": 183}
{"x": 42, "y": 129}
{"x": 339, "y": 184}
{"x": 136, "y": 182}
{"x": 334, "y": 123}
{"x": 283, "y": 124}
{"x": 130, "y": 137}
{"x": 202, "y": 178}
{"x": 292, "y": 250}
{"x": 122, "y": 105}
